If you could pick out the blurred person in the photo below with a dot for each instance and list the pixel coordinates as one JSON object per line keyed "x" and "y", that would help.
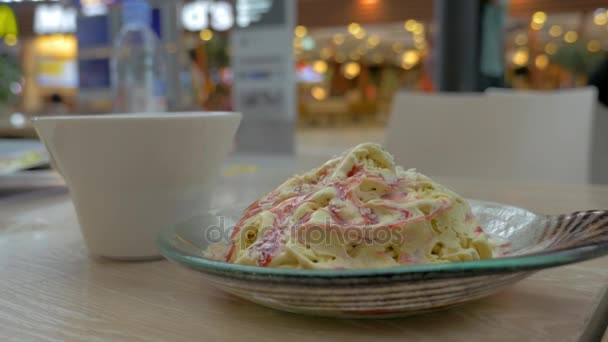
{"x": 599, "y": 79}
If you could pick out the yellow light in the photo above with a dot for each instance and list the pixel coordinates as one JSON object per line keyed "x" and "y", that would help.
{"x": 539, "y": 17}
{"x": 418, "y": 38}
{"x": 520, "y": 57}
{"x": 10, "y": 40}
{"x": 361, "y": 50}
{"x": 410, "y": 58}
{"x": 420, "y": 46}
{"x": 8, "y": 21}
{"x": 541, "y": 61}
{"x": 571, "y": 37}
{"x": 300, "y": 31}
{"x": 360, "y": 34}
{"x": 600, "y": 19}
{"x": 318, "y": 93}
{"x": 555, "y": 31}
{"x": 397, "y": 47}
{"x": 594, "y": 45}
{"x": 410, "y": 25}
{"x": 521, "y": 39}
{"x": 57, "y": 45}
{"x": 536, "y": 26}
{"x": 351, "y": 70}
{"x": 340, "y": 57}
{"x": 206, "y": 35}
{"x": 373, "y": 40}
{"x": 353, "y": 28}
{"x": 418, "y": 29}
{"x": 297, "y": 43}
{"x": 354, "y": 56}
{"x": 319, "y": 66}
{"x": 551, "y": 48}
{"x": 325, "y": 53}
{"x": 338, "y": 39}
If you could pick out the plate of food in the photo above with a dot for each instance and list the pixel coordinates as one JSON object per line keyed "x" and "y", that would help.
{"x": 360, "y": 236}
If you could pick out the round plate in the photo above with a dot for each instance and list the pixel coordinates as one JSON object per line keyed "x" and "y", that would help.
{"x": 534, "y": 242}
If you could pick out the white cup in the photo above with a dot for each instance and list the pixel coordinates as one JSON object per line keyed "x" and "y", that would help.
{"x": 130, "y": 175}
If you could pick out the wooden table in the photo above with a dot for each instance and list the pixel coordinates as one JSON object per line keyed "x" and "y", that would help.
{"x": 50, "y": 289}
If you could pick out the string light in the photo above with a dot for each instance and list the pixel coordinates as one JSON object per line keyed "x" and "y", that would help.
{"x": 551, "y": 48}
{"x": 409, "y": 59}
{"x": 353, "y": 28}
{"x": 351, "y": 70}
{"x": 319, "y": 66}
{"x": 318, "y": 93}
{"x": 555, "y": 31}
{"x": 594, "y": 45}
{"x": 410, "y": 25}
{"x": 520, "y": 57}
{"x": 539, "y": 17}
{"x": 360, "y": 34}
{"x": 600, "y": 18}
{"x": 300, "y": 31}
{"x": 418, "y": 29}
{"x": 570, "y": 37}
{"x": 206, "y": 35}
{"x": 536, "y": 26}
{"x": 541, "y": 61}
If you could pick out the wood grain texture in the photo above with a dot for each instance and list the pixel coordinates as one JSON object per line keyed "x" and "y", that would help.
{"x": 50, "y": 289}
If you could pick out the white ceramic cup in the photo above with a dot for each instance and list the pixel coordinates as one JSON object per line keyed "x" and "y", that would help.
{"x": 130, "y": 175}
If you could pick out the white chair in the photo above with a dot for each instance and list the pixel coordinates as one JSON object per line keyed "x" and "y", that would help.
{"x": 526, "y": 138}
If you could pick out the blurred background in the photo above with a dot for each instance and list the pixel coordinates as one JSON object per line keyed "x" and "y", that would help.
{"x": 311, "y": 76}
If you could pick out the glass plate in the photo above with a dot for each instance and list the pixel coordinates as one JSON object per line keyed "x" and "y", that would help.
{"x": 535, "y": 242}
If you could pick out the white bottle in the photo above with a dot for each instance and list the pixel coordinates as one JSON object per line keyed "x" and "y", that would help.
{"x": 138, "y": 64}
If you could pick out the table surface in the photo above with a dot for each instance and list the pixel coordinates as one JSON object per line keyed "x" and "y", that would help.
{"x": 51, "y": 289}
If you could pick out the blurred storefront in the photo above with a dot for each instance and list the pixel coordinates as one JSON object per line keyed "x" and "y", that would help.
{"x": 351, "y": 63}
{"x": 351, "y": 56}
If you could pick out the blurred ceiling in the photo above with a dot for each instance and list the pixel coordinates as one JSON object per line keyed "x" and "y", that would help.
{"x": 318, "y": 13}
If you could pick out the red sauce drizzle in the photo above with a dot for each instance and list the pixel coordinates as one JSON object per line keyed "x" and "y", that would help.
{"x": 267, "y": 246}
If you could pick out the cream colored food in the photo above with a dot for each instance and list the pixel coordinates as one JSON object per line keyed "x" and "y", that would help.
{"x": 356, "y": 211}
